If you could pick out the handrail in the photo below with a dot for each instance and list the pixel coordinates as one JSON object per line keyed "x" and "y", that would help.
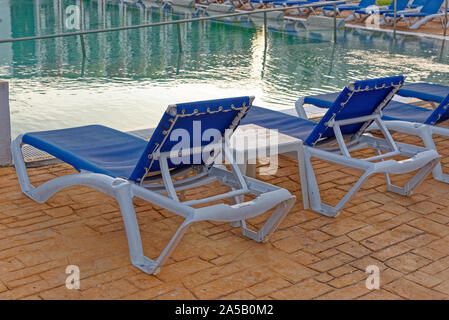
{"x": 162, "y": 23}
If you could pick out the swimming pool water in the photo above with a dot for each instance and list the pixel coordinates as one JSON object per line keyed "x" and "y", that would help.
{"x": 129, "y": 77}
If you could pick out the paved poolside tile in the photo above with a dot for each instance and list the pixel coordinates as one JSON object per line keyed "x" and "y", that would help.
{"x": 309, "y": 257}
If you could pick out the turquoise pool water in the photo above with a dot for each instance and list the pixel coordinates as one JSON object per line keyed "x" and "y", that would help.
{"x": 129, "y": 77}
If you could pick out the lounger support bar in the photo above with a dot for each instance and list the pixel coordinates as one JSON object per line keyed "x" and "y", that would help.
{"x": 267, "y": 197}
{"x": 425, "y": 133}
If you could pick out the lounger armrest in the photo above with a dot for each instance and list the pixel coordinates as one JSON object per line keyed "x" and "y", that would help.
{"x": 405, "y": 166}
{"x": 340, "y": 159}
{"x": 299, "y": 106}
{"x": 245, "y": 210}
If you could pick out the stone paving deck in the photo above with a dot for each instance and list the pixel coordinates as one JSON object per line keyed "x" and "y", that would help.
{"x": 309, "y": 257}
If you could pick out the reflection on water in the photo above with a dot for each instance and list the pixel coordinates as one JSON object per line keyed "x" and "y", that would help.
{"x": 129, "y": 77}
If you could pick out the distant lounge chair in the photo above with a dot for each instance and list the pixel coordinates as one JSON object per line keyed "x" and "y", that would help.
{"x": 425, "y": 91}
{"x": 415, "y": 18}
{"x": 347, "y": 7}
{"x": 125, "y": 166}
{"x": 300, "y": 11}
{"x": 362, "y": 14}
{"x": 256, "y": 4}
{"x": 252, "y": 5}
{"x": 341, "y": 130}
{"x": 404, "y": 117}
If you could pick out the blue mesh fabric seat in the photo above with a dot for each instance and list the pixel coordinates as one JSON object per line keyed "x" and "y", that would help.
{"x": 284, "y": 123}
{"x": 92, "y": 148}
{"x": 425, "y": 91}
{"x": 396, "y": 110}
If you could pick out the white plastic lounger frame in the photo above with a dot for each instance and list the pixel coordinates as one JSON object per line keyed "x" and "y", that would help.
{"x": 418, "y": 158}
{"x": 416, "y": 22}
{"x": 267, "y": 197}
{"x": 426, "y": 133}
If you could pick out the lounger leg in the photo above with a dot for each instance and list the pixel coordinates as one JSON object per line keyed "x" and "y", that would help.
{"x": 21, "y": 170}
{"x": 419, "y": 22}
{"x": 239, "y": 199}
{"x": 425, "y": 133}
{"x": 314, "y": 193}
{"x": 417, "y": 179}
{"x": 414, "y": 182}
{"x": 303, "y": 176}
{"x": 427, "y": 138}
{"x": 271, "y": 224}
{"x": 124, "y": 197}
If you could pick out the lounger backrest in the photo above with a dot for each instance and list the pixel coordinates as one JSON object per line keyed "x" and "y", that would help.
{"x": 400, "y": 5}
{"x": 360, "y": 98}
{"x": 419, "y": 3}
{"x": 440, "y": 113}
{"x": 432, "y": 6}
{"x": 366, "y": 3}
{"x": 193, "y": 118}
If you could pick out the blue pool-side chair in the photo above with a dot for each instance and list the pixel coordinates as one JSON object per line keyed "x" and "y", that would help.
{"x": 341, "y": 130}
{"x": 125, "y": 166}
{"x": 414, "y": 18}
{"x": 348, "y": 7}
{"x": 362, "y": 14}
{"x": 402, "y": 117}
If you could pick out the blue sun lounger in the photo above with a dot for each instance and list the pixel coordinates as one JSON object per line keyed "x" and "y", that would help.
{"x": 341, "y": 130}
{"x": 348, "y": 7}
{"x": 403, "y": 117}
{"x": 362, "y": 14}
{"x": 125, "y": 166}
{"x": 414, "y": 18}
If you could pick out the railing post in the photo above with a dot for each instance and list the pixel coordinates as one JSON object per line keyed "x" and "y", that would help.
{"x": 265, "y": 23}
{"x": 5, "y": 125}
{"x": 83, "y": 44}
{"x": 335, "y": 22}
{"x": 445, "y": 17}
{"x": 265, "y": 43}
{"x": 178, "y": 27}
{"x": 394, "y": 19}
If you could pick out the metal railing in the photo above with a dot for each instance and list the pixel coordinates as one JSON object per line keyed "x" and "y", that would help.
{"x": 445, "y": 17}
{"x": 81, "y": 32}
{"x": 180, "y": 21}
